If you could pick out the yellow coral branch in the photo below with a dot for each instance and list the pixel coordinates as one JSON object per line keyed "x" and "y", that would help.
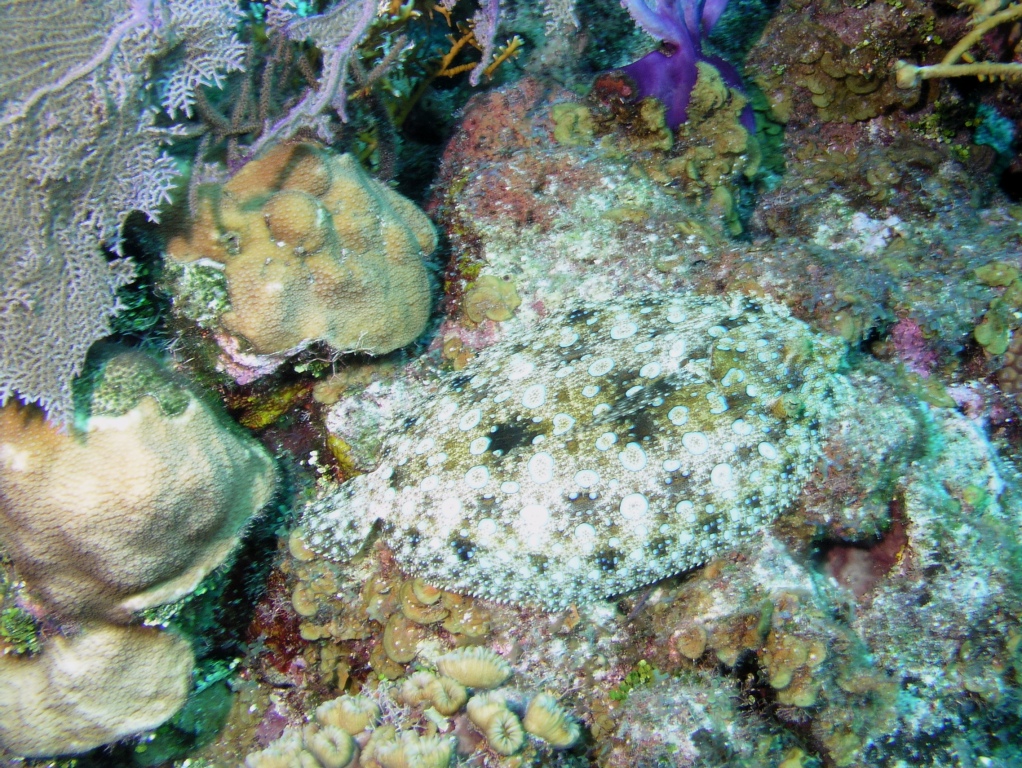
{"x": 909, "y": 75}
{"x": 508, "y": 51}
{"x": 446, "y": 70}
{"x": 1008, "y": 14}
{"x": 442, "y": 11}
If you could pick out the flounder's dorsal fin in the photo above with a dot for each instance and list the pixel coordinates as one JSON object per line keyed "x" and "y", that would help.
{"x": 336, "y": 525}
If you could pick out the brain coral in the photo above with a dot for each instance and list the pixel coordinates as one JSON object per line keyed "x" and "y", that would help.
{"x": 313, "y": 249}
{"x": 102, "y": 685}
{"x": 607, "y": 447}
{"x": 132, "y": 508}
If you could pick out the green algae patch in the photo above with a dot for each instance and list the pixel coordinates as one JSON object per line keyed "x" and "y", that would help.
{"x": 997, "y": 273}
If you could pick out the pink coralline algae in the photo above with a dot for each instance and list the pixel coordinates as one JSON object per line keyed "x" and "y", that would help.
{"x": 911, "y": 347}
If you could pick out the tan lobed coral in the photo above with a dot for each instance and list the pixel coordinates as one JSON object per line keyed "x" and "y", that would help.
{"x": 102, "y": 685}
{"x": 312, "y": 249}
{"x": 416, "y": 735}
{"x": 148, "y": 494}
{"x": 1009, "y": 377}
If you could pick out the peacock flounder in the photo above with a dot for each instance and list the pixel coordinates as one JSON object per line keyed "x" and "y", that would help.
{"x": 606, "y": 447}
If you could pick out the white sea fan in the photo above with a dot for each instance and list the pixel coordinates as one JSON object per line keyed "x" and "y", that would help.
{"x": 207, "y": 48}
{"x": 78, "y": 152}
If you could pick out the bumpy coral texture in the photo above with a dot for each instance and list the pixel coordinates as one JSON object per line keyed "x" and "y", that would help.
{"x": 102, "y": 685}
{"x": 1010, "y": 374}
{"x": 133, "y": 508}
{"x": 606, "y": 448}
{"x": 314, "y": 249}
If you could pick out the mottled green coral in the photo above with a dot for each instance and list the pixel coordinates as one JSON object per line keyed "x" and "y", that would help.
{"x": 199, "y": 290}
{"x": 641, "y": 676}
{"x": 18, "y": 630}
{"x": 994, "y": 331}
{"x": 573, "y": 124}
{"x": 997, "y": 273}
{"x": 115, "y": 381}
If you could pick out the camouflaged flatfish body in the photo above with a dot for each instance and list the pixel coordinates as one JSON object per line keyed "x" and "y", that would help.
{"x": 609, "y": 446}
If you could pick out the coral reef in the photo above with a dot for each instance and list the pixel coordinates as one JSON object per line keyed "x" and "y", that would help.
{"x": 686, "y": 720}
{"x": 909, "y": 75}
{"x": 1009, "y": 377}
{"x": 311, "y": 249}
{"x": 960, "y": 562}
{"x": 103, "y": 684}
{"x": 710, "y": 457}
{"x": 814, "y": 67}
{"x": 379, "y": 619}
{"x": 478, "y": 668}
{"x": 419, "y": 730}
{"x": 149, "y": 493}
{"x": 490, "y": 298}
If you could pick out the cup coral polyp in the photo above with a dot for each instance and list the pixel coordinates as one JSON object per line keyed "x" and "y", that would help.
{"x": 312, "y": 249}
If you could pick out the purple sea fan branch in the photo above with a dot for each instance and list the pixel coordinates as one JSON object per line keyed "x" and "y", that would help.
{"x": 670, "y": 74}
{"x": 484, "y": 27}
{"x": 336, "y": 32}
{"x": 79, "y": 151}
{"x": 204, "y": 29}
{"x": 141, "y": 15}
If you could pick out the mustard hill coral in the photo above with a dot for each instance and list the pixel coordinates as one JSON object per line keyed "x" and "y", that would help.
{"x": 102, "y": 685}
{"x": 312, "y": 249}
{"x": 605, "y": 448}
{"x": 148, "y": 494}
{"x": 490, "y": 298}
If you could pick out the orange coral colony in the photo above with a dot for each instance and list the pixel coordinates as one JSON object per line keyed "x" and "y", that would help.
{"x": 313, "y": 249}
